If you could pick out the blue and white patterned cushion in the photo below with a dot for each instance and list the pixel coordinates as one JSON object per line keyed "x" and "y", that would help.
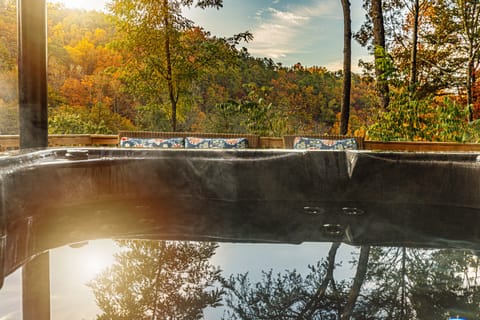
{"x": 324, "y": 144}
{"x": 175, "y": 143}
{"x": 215, "y": 143}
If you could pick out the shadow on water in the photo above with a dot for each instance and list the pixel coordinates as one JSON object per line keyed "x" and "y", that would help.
{"x": 410, "y": 218}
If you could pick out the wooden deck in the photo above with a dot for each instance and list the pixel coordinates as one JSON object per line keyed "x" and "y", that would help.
{"x": 11, "y": 142}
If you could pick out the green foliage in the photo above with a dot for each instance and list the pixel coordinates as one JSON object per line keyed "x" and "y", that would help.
{"x": 251, "y": 115}
{"x": 8, "y": 87}
{"x": 152, "y": 118}
{"x": 225, "y": 117}
{"x": 423, "y": 120}
{"x": 384, "y": 63}
{"x": 8, "y": 101}
{"x": 158, "y": 280}
{"x": 84, "y": 120}
{"x": 261, "y": 117}
{"x": 472, "y": 133}
{"x": 8, "y": 118}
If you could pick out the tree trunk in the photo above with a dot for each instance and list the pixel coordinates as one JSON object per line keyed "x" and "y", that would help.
{"x": 413, "y": 54}
{"x": 404, "y": 284}
{"x": 347, "y": 67}
{"x": 312, "y": 305}
{"x": 168, "y": 61}
{"x": 357, "y": 282}
{"x": 470, "y": 13}
{"x": 471, "y": 108}
{"x": 379, "y": 43}
{"x": 470, "y": 77}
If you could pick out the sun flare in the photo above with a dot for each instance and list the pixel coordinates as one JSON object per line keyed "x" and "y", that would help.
{"x": 94, "y": 264}
{"x": 85, "y": 260}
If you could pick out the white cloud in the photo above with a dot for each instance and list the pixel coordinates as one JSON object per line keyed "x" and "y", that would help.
{"x": 288, "y": 18}
{"x": 286, "y": 32}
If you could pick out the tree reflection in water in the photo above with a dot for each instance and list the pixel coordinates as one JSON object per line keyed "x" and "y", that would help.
{"x": 158, "y": 280}
{"x": 176, "y": 280}
{"x": 317, "y": 295}
{"x": 423, "y": 284}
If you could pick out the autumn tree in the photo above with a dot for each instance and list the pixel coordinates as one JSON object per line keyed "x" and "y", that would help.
{"x": 373, "y": 35}
{"x": 158, "y": 280}
{"x": 307, "y": 98}
{"x": 8, "y": 32}
{"x": 466, "y": 17}
{"x": 85, "y": 94}
{"x": 157, "y": 60}
{"x": 414, "y": 50}
{"x": 421, "y": 48}
{"x": 95, "y": 70}
{"x": 427, "y": 46}
{"x": 8, "y": 68}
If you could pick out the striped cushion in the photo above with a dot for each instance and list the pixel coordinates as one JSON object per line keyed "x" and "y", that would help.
{"x": 152, "y": 143}
{"x": 324, "y": 144}
{"x": 215, "y": 143}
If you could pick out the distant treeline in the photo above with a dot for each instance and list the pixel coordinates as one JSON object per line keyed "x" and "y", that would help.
{"x": 96, "y": 85}
{"x": 153, "y": 69}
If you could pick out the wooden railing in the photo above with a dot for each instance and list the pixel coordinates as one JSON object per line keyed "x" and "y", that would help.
{"x": 421, "y": 146}
{"x": 10, "y": 142}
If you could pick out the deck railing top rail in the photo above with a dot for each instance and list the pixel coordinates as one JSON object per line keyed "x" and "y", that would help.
{"x": 11, "y": 142}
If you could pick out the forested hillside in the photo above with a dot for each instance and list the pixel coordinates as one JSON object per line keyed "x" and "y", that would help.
{"x": 111, "y": 71}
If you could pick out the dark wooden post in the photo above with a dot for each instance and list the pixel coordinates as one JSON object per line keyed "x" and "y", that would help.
{"x": 32, "y": 88}
{"x": 3, "y": 237}
{"x": 32, "y": 73}
{"x": 36, "y": 288}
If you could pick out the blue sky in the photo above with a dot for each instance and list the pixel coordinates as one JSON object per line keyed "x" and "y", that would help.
{"x": 288, "y": 31}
